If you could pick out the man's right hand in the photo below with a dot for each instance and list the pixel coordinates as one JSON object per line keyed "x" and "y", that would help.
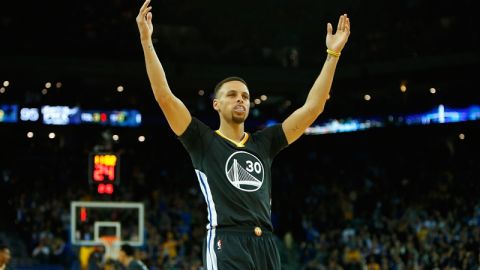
{"x": 144, "y": 22}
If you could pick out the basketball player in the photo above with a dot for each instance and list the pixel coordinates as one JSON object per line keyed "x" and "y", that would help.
{"x": 233, "y": 166}
{"x": 126, "y": 257}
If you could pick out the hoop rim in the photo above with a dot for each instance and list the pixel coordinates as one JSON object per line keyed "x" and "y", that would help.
{"x": 109, "y": 239}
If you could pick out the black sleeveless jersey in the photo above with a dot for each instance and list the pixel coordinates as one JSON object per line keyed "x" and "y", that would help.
{"x": 235, "y": 178}
{"x": 136, "y": 265}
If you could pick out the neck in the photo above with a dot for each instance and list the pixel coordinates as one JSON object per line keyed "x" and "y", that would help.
{"x": 232, "y": 130}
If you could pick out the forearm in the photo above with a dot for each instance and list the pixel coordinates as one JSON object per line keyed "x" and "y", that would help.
{"x": 302, "y": 118}
{"x": 156, "y": 74}
{"x": 317, "y": 97}
{"x": 176, "y": 113}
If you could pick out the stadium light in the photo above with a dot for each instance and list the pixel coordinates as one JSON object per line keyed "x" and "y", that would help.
{"x": 403, "y": 86}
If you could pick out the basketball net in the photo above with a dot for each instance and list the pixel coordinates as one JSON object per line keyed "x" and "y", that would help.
{"x": 112, "y": 246}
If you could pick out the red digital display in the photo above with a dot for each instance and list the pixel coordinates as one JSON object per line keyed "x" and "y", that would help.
{"x": 105, "y": 189}
{"x": 104, "y": 169}
{"x": 83, "y": 214}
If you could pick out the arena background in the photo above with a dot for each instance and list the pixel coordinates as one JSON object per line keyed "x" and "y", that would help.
{"x": 400, "y": 194}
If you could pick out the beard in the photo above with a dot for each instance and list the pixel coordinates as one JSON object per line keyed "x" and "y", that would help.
{"x": 238, "y": 119}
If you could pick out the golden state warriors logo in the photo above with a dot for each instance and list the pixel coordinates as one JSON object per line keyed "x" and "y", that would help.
{"x": 244, "y": 171}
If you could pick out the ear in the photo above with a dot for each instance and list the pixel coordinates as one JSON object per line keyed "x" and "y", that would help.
{"x": 216, "y": 104}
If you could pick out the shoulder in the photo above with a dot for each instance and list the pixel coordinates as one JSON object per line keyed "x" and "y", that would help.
{"x": 269, "y": 132}
{"x": 196, "y": 127}
{"x": 271, "y": 138}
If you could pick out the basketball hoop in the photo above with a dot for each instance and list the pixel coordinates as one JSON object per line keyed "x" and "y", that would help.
{"x": 112, "y": 246}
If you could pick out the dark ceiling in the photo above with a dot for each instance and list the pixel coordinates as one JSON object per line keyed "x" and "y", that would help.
{"x": 277, "y": 46}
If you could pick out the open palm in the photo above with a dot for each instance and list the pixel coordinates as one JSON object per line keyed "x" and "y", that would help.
{"x": 337, "y": 41}
{"x": 144, "y": 21}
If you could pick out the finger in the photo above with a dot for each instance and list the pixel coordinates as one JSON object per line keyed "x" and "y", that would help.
{"x": 149, "y": 18}
{"x": 347, "y": 25}
{"x": 142, "y": 14}
{"x": 145, "y": 11}
{"x": 340, "y": 22}
{"x": 329, "y": 28}
{"x": 344, "y": 18}
{"x": 145, "y": 4}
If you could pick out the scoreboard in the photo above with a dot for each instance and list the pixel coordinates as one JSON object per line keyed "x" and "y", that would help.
{"x": 104, "y": 171}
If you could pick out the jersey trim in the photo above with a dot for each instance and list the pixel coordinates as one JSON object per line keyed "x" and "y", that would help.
{"x": 211, "y": 255}
{"x": 238, "y": 144}
{"x": 205, "y": 187}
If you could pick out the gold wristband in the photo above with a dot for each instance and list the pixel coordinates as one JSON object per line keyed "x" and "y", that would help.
{"x": 333, "y": 53}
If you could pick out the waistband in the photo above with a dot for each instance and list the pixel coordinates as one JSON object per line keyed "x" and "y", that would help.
{"x": 253, "y": 230}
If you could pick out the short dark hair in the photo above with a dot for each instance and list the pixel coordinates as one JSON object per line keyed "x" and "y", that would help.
{"x": 222, "y": 82}
{"x": 127, "y": 249}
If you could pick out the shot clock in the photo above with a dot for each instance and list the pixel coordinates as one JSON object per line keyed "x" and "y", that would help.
{"x": 104, "y": 171}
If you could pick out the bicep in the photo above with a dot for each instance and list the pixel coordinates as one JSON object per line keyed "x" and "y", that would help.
{"x": 296, "y": 124}
{"x": 176, "y": 113}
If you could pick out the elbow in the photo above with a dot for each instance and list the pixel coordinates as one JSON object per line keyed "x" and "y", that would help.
{"x": 320, "y": 110}
{"x": 161, "y": 93}
{"x": 314, "y": 111}
{"x": 163, "y": 100}
{"x": 159, "y": 100}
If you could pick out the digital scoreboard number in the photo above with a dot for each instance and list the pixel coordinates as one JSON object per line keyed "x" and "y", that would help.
{"x": 104, "y": 171}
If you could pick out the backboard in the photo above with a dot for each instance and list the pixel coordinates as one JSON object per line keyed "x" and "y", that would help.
{"x": 90, "y": 221}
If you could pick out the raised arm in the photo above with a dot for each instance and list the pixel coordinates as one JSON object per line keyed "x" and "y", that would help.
{"x": 296, "y": 124}
{"x": 175, "y": 111}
